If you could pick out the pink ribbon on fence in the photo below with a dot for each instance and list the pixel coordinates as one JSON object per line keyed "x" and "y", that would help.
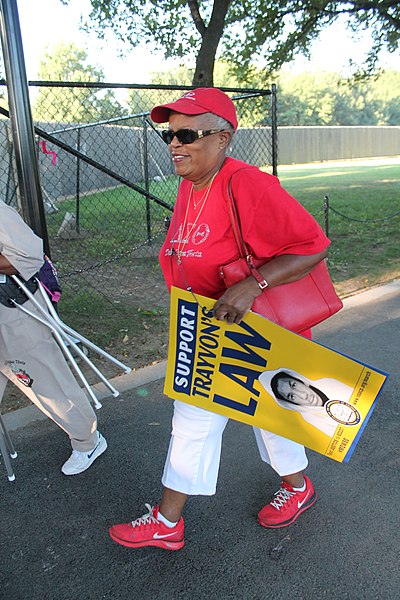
{"x": 44, "y": 149}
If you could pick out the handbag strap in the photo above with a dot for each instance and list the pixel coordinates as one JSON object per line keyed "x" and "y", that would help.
{"x": 241, "y": 244}
{"x": 234, "y": 219}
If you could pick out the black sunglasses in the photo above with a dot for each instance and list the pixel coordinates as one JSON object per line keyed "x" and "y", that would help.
{"x": 187, "y": 136}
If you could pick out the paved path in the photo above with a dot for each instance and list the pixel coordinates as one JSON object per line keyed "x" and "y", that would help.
{"x": 53, "y": 531}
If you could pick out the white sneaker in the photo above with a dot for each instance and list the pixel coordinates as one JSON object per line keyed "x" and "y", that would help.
{"x": 80, "y": 461}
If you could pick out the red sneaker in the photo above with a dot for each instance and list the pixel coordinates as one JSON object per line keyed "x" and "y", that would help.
{"x": 149, "y": 531}
{"x": 287, "y": 505}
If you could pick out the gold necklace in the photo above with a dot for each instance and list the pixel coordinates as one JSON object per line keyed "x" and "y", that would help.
{"x": 183, "y": 239}
{"x": 204, "y": 196}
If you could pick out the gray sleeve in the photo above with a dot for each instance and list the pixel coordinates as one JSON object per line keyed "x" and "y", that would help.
{"x": 22, "y": 248}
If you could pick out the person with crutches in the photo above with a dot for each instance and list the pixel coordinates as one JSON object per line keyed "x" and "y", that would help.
{"x": 30, "y": 357}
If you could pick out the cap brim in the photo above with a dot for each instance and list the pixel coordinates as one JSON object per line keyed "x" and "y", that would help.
{"x": 160, "y": 114}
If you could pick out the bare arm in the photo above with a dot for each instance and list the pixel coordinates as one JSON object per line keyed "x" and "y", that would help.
{"x": 283, "y": 269}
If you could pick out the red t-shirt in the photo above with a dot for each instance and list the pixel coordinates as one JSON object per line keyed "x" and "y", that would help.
{"x": 272, "y": 223}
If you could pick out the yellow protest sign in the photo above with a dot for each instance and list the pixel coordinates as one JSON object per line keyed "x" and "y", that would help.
{"x": 264, "y": 375}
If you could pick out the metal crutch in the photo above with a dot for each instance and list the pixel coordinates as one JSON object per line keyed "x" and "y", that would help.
{"x": 55, "y": 323}
{"x": 80, "y": 337}
{"x": 65, "y": 350}
{"x": 67, "y": 339}
{"x": 7, "y": 449}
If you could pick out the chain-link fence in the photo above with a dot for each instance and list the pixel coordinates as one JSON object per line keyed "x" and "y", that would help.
{"x": 109, "y": 186}
{"x": 108, "y": 181}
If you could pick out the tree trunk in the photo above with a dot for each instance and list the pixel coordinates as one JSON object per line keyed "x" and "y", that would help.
{"x": 204, "y": 72}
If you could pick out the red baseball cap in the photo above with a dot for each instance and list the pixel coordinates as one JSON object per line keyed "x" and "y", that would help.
{"x": 198, "y": 102}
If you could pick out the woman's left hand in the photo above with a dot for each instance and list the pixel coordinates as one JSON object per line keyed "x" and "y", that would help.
{"x": 236, "y": 301}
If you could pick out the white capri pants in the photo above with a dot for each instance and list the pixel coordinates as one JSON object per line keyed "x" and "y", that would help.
{"x": 194, "y": 453}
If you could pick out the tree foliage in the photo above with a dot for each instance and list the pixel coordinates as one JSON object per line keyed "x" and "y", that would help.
{"x": 66, "y": 62}
{"x": 273, "y": 31}
{"x": 314, "y": 98}
{"x": 327, "y": 99}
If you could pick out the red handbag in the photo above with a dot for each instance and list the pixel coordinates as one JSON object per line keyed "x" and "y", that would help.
{"x": 298, "y": 305}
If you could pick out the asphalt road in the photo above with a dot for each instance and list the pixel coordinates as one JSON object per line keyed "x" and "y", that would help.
{"x": 53, "y": 529}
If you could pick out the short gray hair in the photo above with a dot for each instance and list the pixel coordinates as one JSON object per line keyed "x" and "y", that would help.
{"x": 217, "y": 122}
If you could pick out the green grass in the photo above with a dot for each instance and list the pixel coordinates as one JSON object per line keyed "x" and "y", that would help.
{"x": 109, "y": 321}
{"x": 120, "y": 210}
{"x": 111, "y": 223}
{"x": 135, "y": 335}
{"x": 365, "y": 236}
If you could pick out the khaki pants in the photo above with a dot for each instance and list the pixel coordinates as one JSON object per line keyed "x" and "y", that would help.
{"x": 32, "y": 360}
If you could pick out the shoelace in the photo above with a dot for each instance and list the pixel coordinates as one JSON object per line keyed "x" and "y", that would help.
{"x": 145, "y": 519}
{"x": 281, "y": 497}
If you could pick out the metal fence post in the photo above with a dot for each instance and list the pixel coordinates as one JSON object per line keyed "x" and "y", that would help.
{"x": 21, "y": 121}
{"x": 78, "y": 178}
{"x": 326, "y": 215}
{"x": 146, "y": 179}
{"x": 274, "y": 131}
